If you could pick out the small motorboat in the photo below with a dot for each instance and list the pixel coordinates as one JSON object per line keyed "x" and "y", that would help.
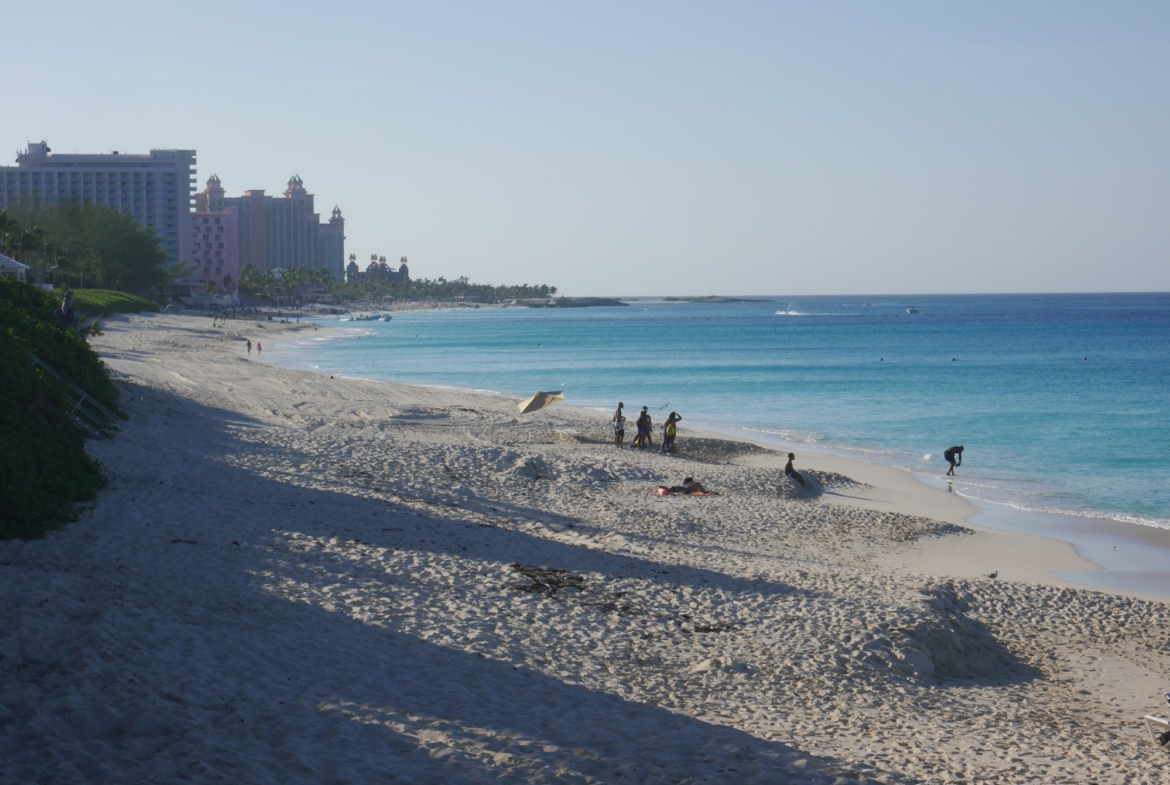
{"x": 911, "y": 309}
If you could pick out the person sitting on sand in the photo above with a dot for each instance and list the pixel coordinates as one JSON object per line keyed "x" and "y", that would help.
{"x": 791, "y": 472}
{"x": 669, "y": 432}
{"x": 954, "y": 456}
{"x": 619, "y": 426}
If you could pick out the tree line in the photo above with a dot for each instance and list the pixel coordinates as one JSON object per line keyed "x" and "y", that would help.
{"x": 98, "y": 246}
{"x": 295, "y": 284}
{"x": 442, "y": 289}
{"x": 85, "y": 244}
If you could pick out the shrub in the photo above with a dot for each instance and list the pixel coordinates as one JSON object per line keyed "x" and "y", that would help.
{"x": 44, "y": 469}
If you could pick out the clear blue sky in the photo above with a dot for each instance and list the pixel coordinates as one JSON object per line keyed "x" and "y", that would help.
{"x": 652, "y": 148}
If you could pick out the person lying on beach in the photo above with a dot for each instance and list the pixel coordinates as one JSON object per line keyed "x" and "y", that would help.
{"x": 954, "y": 456}
{"x": 791, "y": 472}
{"x": 689, "y": 487}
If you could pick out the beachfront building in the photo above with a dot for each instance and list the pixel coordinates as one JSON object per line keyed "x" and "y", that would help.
{"x": 279, "y": 232}
{"x": 215, "y": 256}
{"x": 376, "y": 270}
{"x": 156, "y": 188}
{"x": 10, "y": 268}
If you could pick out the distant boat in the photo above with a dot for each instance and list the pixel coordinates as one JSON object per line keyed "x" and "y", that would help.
{"x": 367, "y": 317}
{"x": 911, "y": 309}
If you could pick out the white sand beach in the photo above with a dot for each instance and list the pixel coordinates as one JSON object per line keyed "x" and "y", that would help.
{"x": 293, "y": 578}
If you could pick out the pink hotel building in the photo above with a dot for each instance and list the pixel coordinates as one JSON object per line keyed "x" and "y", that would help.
{"x": 215, "y": 254}
{"x": 265, "y": 231}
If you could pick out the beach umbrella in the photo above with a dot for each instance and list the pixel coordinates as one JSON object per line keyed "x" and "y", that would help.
{"x": 540, "y": 400}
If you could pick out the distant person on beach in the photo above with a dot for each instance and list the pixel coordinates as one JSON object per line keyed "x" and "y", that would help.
{"x": 259, "y": 348}
{"x": 669, "y": 432}
{"x": 249, "y": 348}
{"x": 789, "y": 471}
{"x": 66, "y": 315}
{"x": 954, "y": 456}
{"x": 619, "y": 426}
{"x": 689, "y": 486}
{"x": 642, "y": 440}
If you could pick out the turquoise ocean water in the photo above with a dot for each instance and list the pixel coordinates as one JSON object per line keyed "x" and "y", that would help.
{"x": 1062, "y": 401}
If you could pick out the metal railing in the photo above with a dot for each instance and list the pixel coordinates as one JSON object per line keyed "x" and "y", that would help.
{"x": 85, "y": 408}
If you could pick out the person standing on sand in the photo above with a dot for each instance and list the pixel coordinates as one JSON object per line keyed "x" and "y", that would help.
{"x": 619, "y": 426}
{"x": 789, "y": 471}
{"x": 954, "y": 456}
{"x": 644, "y": 423}
{"x": 249, "y": 348}
{"x": 669, "y": 432}
{"x": 259, "y": 348}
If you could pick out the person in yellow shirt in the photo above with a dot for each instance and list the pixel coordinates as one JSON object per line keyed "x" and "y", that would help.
{"x": 669, "y": 432}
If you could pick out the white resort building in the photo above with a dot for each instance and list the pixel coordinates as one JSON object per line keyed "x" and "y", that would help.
{"x": 158, "y": 189}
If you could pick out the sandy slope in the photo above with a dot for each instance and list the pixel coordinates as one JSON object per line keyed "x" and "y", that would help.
{"x": 298, "y": 579}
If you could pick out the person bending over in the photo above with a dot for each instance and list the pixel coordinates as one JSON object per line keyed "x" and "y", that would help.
{"x": 954, "y": 456}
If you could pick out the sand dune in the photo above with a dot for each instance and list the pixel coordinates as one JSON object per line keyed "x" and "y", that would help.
{"x": 299, "y": 579}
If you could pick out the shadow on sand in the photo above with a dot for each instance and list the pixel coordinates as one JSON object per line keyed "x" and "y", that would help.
{"x": 309, "y": 693}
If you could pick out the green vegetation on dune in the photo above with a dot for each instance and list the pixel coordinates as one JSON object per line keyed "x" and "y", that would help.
{"x": 44, "y": 469}
{"x": 104, "y": 302}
